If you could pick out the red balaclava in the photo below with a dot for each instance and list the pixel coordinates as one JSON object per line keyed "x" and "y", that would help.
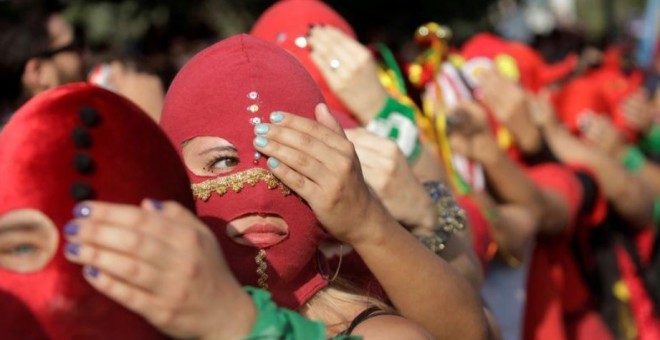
{"x": 287, "y": 24}
{"x": 69, "y": 144}
{"x": 223, "y": 92}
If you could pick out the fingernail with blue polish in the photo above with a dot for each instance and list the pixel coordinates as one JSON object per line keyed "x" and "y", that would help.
{"x": 72, "y": 249}
{"x": 91, "y": 271}
{"x": 261, "y": 129}
{"x": 273, "y": 163}
{"x": 158, "y": 205}
{"x": 276, "y": 117}
{"x": 81, "y": 210}
{"x": 261, "y": 141}
{"x": 71, "y": 229}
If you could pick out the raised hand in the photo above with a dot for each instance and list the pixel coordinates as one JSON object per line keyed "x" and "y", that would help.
{"x": 161, "y": 262}
{"x": 388, "y": 174}
{"x": 315, "y": 160}
{"x": 350, "y": 71}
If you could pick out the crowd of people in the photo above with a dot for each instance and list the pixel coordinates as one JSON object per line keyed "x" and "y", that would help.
{"x": 293, "y": 183}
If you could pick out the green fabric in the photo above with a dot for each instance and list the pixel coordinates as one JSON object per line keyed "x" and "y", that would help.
{"x": 391, "y": 64}
{"x": 656, "y": 213}
{"x": 396, "y": 121}
{"x": 650, "y": 143}
{"x": 278, "y": 323}
{"x": 634, "y": 159}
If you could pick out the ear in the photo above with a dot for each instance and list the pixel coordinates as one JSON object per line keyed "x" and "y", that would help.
{"x": 38, "y": 76}
{"x": 31, "y": 75}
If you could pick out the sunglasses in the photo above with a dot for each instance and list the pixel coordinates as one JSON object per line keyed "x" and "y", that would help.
{"x": 74, "y": 46}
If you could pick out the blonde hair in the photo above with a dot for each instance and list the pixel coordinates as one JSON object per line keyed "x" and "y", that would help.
{"x": 327, "y": 303}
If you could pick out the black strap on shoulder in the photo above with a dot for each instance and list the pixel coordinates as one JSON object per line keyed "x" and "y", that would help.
{"x": 364, "y": 316}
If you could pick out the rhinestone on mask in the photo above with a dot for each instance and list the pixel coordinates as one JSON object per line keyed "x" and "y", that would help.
{"x": 253, "y": 95}
{"x": 255, "y": 120}
{"x": 280, "y": 37}
{"x": 253, "y": 108}
{"x": 301, "y": 42}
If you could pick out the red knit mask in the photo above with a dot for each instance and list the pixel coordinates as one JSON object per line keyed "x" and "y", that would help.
{"x": 223, "y": 92}
{"x": 73, "y": 143}
{"x": 287, "y": 24}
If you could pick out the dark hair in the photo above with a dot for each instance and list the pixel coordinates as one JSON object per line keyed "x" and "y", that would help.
{"x": 23, "y": 35}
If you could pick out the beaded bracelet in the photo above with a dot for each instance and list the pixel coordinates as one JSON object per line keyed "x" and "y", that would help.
{"x": 451, "y": 217}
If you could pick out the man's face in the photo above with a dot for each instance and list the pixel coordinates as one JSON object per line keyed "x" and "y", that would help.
{"x": 68, "y": 63}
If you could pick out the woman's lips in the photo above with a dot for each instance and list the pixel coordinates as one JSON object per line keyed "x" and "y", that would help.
{"x": 261, "y": 235}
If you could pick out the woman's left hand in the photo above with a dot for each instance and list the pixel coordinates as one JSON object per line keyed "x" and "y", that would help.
{"x": 315, "y": 160}
{"x": 350, "y": 71}
{"x": 388, "y": 174}
{"x": 161, "y": 262}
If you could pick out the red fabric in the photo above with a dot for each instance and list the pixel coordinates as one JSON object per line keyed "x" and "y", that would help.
{"x": 641, "y": 305}
{"x": 209, "y": 97}
{"x": 133, "y": 160}
{"x": 558, "y": 302}
{"x": 534, "y": 72}
{"x": 562, "y": 180}
{"x": 288, "y": 20}
{"x": 601, "y": 91}
{"x": 482, "y": 240}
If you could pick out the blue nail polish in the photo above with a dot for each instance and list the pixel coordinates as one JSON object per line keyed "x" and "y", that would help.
{"x": 261, "y": 141}
{"x": 81, "y": 210}
{"x": 276, "y": 117}
{"x": 71, "y": 229}
{"x": 273, "y": 163}
{"x": 72, "y": 249}
{"x": 158, "y": 205}
{"x": 91, "y": 271}
{"x": 261, "y": 129}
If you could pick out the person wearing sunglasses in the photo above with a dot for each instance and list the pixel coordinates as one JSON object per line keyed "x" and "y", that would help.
{"x": 39, "y": 52}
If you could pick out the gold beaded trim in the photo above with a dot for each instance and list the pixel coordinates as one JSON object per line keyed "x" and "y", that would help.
{"x": 262, "y": 268}
{"x": 236, "y": 182}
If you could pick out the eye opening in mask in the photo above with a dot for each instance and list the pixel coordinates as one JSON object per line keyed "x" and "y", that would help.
{"x": 28, "y": 240}
{"x": 209, "y": 156}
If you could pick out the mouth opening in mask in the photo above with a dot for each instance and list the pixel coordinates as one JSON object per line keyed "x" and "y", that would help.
{"x": 258, "y": 230}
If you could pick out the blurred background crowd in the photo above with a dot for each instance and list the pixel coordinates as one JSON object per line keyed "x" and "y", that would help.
{"x": 542, "y": 116}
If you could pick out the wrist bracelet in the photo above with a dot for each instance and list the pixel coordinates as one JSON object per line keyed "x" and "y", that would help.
{"x": 650, "y": 142}
{"x": 633, "y": 159}
{"x": 396, "y": 121}
{"x": 451, "y": 217}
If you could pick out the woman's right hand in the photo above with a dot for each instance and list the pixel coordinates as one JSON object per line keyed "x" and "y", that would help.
{"x": 319, "y": 163}
{"x": 161, "y": 262}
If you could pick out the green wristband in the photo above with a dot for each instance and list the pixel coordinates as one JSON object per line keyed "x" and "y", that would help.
{"x": 634, "y": 159}
{"x": 650, "y": 143}
{"x": 396, "y": 121}
{"x": 278, "y": 323}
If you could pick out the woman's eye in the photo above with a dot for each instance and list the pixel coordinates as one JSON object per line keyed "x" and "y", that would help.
{"x": 224, "y": 163}
{"x": 21, "y": 250}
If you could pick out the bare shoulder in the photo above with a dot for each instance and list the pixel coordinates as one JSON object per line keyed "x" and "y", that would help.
{"x": 391, "y": 327}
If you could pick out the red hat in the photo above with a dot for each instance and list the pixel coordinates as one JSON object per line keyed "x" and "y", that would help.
{"x": 73, "y": 143}
{"x": 222, "y": 92}
{"x": 531, "y": 70}
{"x": 600, "y": 91}
{"x": 287, "y": 24}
